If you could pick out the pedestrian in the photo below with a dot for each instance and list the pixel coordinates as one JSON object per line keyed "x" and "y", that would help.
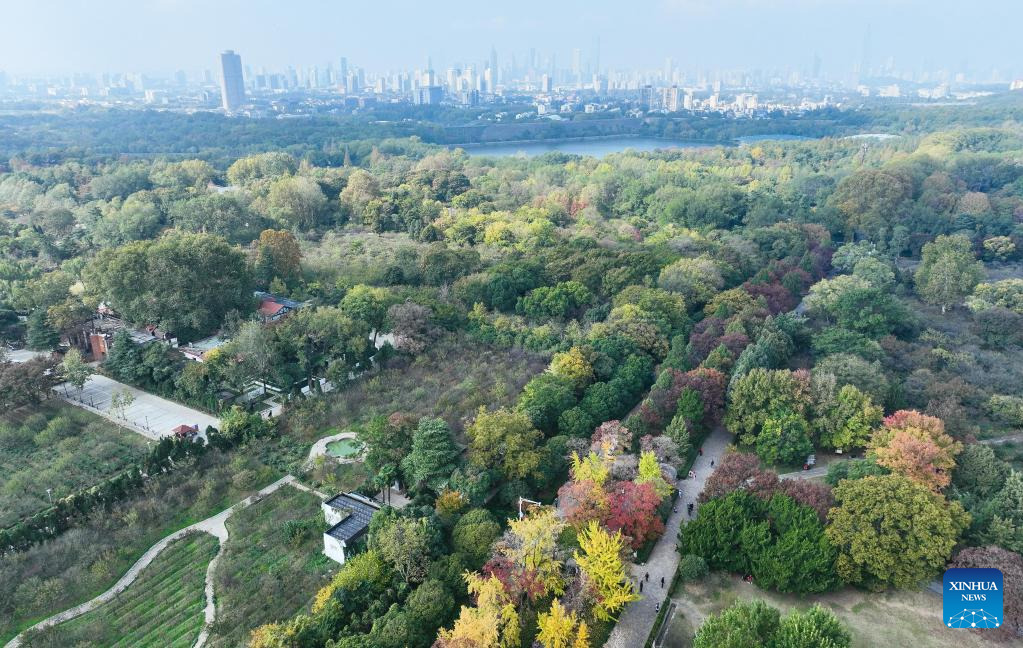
{"x": 640, "y": 587}
{"x": 657, "y": 608}
{"x": 711, "y": 463}
{"x": 647, "y": 577}
{"x": 701, "y": 452}
{"x": 674, "y": 509}
{"x": 662, "y": 582}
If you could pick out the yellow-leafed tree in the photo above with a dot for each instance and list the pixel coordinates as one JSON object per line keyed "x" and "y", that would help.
{"x": 556, "y": 626}
{"x": 603, "y": 570}
{"x": 650, "y": 472}
{"x": 492, "y": 623}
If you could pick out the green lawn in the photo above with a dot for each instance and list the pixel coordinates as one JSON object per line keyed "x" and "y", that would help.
{"x": 895, "y": 618}
{"x": 163, "y": 608}
{"x": 272, "y": 565}
{"x": 60, "y": 447}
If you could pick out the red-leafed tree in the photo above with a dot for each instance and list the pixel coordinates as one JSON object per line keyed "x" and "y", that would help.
{"x": 582, "y": 501}
{"x": 733, "y": 472}
{"x": 632, "y": 510}
{"x": 710, "y": 384}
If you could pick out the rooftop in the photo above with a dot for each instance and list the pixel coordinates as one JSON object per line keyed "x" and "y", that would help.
{"x": 359, "y": 509}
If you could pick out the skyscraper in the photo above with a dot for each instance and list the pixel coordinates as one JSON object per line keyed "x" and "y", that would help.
{"x": 232, "y": 84}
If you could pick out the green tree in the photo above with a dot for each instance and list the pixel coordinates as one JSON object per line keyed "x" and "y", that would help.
{"x": 948, "y": 271}
{"x": 761, "y": 393}
{"x": 543, "y": 400}
{"x": 474, "y": 533}
{"x": 813, "y": 628}
{"x": 39, "y": 335}
{"x": 183, "y": 283}
{"x": 843, "y": 420}
{"x": 696, "y": 280}
{"x": 75, "y": 370}
{"x": 891, "y": 531}
{"x": 785, "y": 438}
{"x": 506, "y": 441}
{"x": 746, "y": 624}
{"x": 403, "y": 542}
{"x": 433, "y": 456}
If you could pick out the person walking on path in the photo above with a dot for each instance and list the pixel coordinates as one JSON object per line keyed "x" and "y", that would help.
{"x": 662, "y": 582}
{"x": 647, "y": 577}
{"x": 640, "y": 587}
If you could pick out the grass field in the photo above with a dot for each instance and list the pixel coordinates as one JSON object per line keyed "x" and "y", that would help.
{"x": 272, "y": 565}
{"x": 451, "y": 381}
{"x": 898, "y": 618}
{"x": 162, "y": 609}
{"x": 60, "y": 447}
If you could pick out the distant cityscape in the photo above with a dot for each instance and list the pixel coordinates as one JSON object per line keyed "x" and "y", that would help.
{"x": 553, "y": 92}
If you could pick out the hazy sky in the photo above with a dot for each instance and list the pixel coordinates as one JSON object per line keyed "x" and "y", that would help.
{"x": 46, "y": 36}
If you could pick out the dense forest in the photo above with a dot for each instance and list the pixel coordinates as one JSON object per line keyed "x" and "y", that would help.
{"x": 852, "y": 298}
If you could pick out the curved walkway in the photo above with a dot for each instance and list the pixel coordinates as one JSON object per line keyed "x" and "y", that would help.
{"x": 638, "y": 618}
{"x": 214, "y": 525}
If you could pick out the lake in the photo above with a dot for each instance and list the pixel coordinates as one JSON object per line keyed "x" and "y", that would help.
{"x": 599, "y": 147}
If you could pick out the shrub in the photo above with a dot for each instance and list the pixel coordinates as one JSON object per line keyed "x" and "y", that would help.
{"x": 692, "y": 568}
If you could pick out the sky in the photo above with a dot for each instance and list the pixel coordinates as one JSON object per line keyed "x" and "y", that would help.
{"x": 161, "y": 36}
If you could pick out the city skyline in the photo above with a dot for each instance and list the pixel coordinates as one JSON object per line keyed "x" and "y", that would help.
{"x": 835, "y": 39}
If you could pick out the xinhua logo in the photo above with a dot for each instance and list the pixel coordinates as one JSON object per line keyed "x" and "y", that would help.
{"x": 972, "y": 598}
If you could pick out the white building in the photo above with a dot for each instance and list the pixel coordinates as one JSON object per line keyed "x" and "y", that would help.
{"x": 348, "y": 515}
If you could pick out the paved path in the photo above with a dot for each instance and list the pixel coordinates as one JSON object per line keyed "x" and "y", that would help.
{"x": 214, "y": 525}
{"x": 819, "y": 471}
{"x": 637, "y": 620}
{"x": 1012, "y": 438}
{"x": 24, "y": 355}
{"x": 149, "y": 415}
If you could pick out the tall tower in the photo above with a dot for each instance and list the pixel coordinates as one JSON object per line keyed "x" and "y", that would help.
{"x": 232, "y": 83}
{"x": 493, "y": 68}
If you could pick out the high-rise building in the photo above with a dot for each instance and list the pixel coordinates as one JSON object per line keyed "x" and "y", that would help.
{"x": 546, "y": 86}
{"x": 232, "y": 83}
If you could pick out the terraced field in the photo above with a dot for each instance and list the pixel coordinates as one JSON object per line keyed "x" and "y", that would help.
{"x": 162, "y": 609}
{"x": 274, "y": 549}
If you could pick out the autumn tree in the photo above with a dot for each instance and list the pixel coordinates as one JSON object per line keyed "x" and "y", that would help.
{"x": 632, "y": 510}
{"x": 412, "y": 326}
{"x": 493, "y": 622}
{"x": 527, "y": 559}
{"x": 556, "y": 626}
{"x": 948, "y": 271}
{"x": 574, "y": 367}
{"x": 603, "y": 570}
{"x": 650, "y": 473}
{"x": 891, "y": 531}
{"x": 916, "y": 445}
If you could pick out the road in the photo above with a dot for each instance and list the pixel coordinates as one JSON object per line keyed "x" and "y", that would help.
{"x": 638, "y": 618}
{"x": 149, "y": 415}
